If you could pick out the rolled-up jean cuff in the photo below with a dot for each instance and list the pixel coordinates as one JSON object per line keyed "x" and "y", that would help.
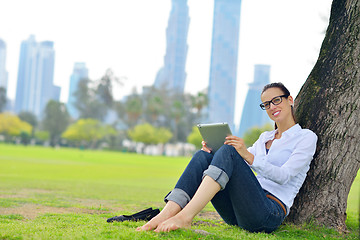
{"x": 218, "y": 175}
{"x": 178, "y": 196}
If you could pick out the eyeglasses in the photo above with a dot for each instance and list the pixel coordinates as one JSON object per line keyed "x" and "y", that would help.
{"x": 276, "y": 101}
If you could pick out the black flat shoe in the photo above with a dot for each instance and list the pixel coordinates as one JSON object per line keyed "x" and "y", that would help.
{"x": 146, "y": 215}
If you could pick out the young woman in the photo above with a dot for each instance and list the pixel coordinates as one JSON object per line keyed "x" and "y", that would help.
{"x": 281, "y": 159}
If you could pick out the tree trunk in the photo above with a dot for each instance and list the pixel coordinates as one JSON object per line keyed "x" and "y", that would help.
{"x": 329, "y": 104}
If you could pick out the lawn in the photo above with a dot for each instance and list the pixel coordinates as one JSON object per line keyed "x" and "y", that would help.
{"x": 50, "y": 193}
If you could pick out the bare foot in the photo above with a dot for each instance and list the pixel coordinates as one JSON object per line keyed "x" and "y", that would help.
{"x": 170, "y": 210}
{"x": 174, "y": 223}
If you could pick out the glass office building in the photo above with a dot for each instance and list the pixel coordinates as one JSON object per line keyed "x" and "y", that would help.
{"x": 3, "y": 72}
{"x": 172, "y": 75}
{"x": 224, "y": 61}
{"x": 35, "y": 77}
{"x": 252, "y": 114}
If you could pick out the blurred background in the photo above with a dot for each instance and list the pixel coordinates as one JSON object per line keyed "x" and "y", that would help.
{"x": 139, "y": 75}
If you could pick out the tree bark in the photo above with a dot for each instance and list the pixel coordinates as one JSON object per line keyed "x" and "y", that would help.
{"x": 329, "y": 103}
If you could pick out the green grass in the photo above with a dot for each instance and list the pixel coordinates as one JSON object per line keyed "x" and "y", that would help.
{"x": 50, "y": 193}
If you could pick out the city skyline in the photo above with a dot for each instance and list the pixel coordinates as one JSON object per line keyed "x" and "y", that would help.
{"x": 290, "y": 46}
{"x": 35, "y": 77}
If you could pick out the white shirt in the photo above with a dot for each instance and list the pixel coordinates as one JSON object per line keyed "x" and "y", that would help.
{"x": 283, "y": 170}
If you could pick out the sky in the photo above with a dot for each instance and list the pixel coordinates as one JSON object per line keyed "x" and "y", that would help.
{"x": 129, "y": 37}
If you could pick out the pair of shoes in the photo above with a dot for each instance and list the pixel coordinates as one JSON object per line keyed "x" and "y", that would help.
{"x": 146, "y": 215}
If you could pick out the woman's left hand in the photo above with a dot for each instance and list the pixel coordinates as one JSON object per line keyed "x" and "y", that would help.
{"x": 239, "y": 145}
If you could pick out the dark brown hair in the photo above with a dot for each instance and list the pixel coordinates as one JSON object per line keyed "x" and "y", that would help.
{"x": 284, "y": 90}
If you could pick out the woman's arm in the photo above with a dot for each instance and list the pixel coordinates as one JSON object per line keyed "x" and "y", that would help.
{"x": 299, "y": 159}
{"x": 239, "y": 145}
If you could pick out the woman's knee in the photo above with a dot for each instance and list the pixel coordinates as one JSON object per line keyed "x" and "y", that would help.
{"x": 226, "y": 157}
{"x": 202, "y": 157}
{"x": 227, "y": 150}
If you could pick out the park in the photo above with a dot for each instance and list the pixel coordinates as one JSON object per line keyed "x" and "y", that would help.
{"x": 68, "y": 193}
{"x": 48, "y": 193}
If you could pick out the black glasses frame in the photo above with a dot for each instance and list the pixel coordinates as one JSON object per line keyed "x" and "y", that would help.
{"x": 262, "y": 105}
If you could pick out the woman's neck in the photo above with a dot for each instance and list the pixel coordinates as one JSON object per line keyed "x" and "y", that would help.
{"x": 282, "y": 127}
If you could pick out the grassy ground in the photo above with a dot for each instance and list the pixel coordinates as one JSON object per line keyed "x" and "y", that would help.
{"x": 68, "y": 194}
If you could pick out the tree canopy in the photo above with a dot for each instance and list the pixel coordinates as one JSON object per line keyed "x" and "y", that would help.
{"x": 11, "y": 125}
{"x": 56, "y": 119}
{"x": 88, "y": 131}
{"x": 148, "y": 134}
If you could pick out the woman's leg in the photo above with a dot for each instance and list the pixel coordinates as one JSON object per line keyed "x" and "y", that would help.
{"x": 206, "y": 191}
{"x": 243, "y": 202}
{"x": 184, "y": 190}
{"x": 171, "y": 209}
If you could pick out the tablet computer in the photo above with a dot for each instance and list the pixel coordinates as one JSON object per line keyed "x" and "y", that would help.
{"x": 214, "y": 134}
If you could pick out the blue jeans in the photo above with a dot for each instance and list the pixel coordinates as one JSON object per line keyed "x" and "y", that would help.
{"x": 241, "y": 201}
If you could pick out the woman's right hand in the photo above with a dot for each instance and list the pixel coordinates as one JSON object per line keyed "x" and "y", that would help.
{"x": 205, "y": 148}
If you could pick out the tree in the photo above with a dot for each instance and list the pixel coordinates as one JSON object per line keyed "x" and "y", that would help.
{"x": 251, "y": 135}
{"x": 195, "y": 138}
{"x": 56, "y": 119}
{"x": 11, "y": 125}
{"x": 329, "y": 104}
{"x": 87, "y": 102}
{"x": 88, "y": 131}
{"x": 42, "y": 136}
{"x": 2, "y": 98}
{"x": 199, "y": 101}
{"x": 148, "y": 134}
{"x": 133, "y": 109}
{"x": 105, "y": 87}
{"x": 177, "y": 113}
{"x": 30, "y": 118}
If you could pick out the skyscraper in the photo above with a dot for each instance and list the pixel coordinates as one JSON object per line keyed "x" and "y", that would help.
{"x": 224, "y": 59}
{"x": 35, "y": 77}
{"x": 80, "y": 72}
{"x": 172, "y": 75}
{"x": 3, "y": 72}
{"x": 252, "y": 114}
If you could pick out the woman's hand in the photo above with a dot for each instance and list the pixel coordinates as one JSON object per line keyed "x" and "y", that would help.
{"x": 205, "y": 148}
{"x": 239, "y": 145}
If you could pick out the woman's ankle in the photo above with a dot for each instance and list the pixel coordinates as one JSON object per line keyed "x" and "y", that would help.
{"x": 171, "y": 209}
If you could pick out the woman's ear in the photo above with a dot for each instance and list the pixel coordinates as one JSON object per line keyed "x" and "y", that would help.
{"x": 290, "y": 98}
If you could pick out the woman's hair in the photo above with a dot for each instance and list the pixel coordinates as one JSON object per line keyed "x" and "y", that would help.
{"x": 284, "y": 90}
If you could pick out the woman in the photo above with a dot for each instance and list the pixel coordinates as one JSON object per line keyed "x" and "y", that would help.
{"x": 281, "y": 159}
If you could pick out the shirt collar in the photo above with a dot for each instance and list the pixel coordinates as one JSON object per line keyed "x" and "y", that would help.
{"x": 291, "y": 131}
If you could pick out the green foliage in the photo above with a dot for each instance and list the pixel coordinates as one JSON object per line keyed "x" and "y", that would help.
{"x": 69, "y": 194}
{"x": 28, "y": 117}
{"x": 253, "y": 134}
{"x": 105, "y": 86}
{"x": 87, "y": 102}
{"x": 133, "y": 108}
{"x": 2, "y": 98}
{"x": 148, "y": 134}
{"x": 199, "y": 101}
{"x": 56, "y": 119}
{"x": 25, "y": 138}
{"x": 42, "y": 135}
{"x": 195, "y": 138}
{"x": 11, "y": 125}
{"x": 88, "y": 131}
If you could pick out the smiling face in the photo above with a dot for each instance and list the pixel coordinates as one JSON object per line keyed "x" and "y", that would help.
{"x": 282, "y": 111}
